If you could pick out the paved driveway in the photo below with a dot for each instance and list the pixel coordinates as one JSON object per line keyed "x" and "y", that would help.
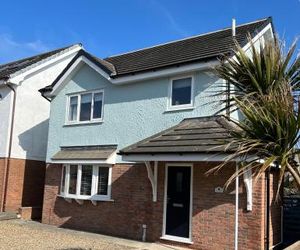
{"x": 19, "y": 234}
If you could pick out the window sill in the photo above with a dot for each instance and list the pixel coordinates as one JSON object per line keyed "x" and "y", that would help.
{"x": 84, "y": 199}
{"x": 174, "y": 109}
{"x": 82, "y": 123}
{"x": 177, "y": 239}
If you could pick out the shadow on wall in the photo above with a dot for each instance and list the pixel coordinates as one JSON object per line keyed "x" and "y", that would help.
{"x": 133, "y": 206}
{"x": 33, "y": 184}
{"x": 34, "y": 141}
{"x": 123, "y": 217}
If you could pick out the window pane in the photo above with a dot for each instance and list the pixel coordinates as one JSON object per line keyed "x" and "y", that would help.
{"x": 102, "y": 181}
{"x": 181, "y": 91}
{"x": 86, "y": 179}
{"x": 73, "y": 179}
{"x": 63, "y": 180}
{"x": 85, "y": 107}
{"x": 73, "y": 108}
{"x": 97, "y": 105}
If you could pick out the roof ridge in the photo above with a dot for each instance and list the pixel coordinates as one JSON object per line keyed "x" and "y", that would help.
{"x": 21, "y": 66}
{"x": 41, "y": 54}
{"x": 186, "y": 38}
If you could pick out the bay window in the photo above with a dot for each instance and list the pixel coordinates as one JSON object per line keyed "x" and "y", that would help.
{"x": 86, "y": 181}
{"x": 85, "y": 107}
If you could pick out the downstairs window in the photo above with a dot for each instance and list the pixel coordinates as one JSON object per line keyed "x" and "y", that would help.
{"x": 86, "y": 181}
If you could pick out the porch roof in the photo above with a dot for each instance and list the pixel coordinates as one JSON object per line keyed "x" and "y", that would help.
{"x": 190, "y": 136}
{"x": 101, "y": 152}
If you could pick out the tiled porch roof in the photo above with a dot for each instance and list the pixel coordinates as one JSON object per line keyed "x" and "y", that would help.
{"x": 85, "y": 152}
{"x": 192, "y": 135}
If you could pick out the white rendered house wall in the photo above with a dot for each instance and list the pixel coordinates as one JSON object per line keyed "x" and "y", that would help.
{"x": 32, "y": 113}
{"x": 5, "y": 107}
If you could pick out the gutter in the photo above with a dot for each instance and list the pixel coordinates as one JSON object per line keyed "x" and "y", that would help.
{"x": 7, "y": 162}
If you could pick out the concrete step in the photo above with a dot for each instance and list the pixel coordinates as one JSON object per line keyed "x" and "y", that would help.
{"x": 8, "y": 216}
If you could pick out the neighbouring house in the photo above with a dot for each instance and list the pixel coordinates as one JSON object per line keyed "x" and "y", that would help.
{"x": 24, "y": 116}
{"x": 131, "y": 138}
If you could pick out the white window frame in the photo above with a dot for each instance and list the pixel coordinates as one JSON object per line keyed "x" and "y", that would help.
{"x": 94, "y": 187}
{"x": 92, "y": 120}
{"x": 183, "y": 106}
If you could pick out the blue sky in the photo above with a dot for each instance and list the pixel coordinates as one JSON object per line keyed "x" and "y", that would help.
{"x": 111, "y": 27}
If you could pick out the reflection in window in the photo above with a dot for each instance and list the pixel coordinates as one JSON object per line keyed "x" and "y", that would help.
{"x": 63, "y": 180}
{"x": 89, "y": 106}
{"x": 102, "y": 181}
{"x": 85, "y": 107}
{"x": 73, "y": 108}
{"x": 181, "y": 91}
{"x": 97, "y": 110}
{"x": 86, "y": 179}
{"x": 73, "y": 179}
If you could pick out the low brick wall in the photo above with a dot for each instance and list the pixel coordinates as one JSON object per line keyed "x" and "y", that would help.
{"x": 213, "y": 213}
{"x": 30, "y": 213}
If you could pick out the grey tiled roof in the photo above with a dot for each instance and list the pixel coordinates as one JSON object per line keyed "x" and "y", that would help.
{"x": 85, "y": 153}
{"x": 190, "y": 50}
{"x": 197, "y": 48}
{"x": 8, "y": 69}
{"x": 192, "y": 135}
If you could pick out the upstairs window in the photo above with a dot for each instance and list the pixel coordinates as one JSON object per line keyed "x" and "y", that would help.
{"x": 181, "y": 93}
{"x": 85, "y": 181}
{"x": 85, "y": 107}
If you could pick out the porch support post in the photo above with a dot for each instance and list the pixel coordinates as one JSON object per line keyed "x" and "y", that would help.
{"x": 152, "y": 176}
{"x": 248, "y": 185}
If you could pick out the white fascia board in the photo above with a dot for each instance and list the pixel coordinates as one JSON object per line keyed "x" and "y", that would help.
{"x": 175, "y": 157}
{"x": 259, "y": 35}
{"x": 165, "y": 72}
{"x": 79, "y": 162}
{"x": 72, "y": 70}
{"x": 19, "y": 76}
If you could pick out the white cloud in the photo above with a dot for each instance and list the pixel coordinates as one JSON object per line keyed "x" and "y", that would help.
{"x": 11, "y": 49}
{"x": 170, "y": 18}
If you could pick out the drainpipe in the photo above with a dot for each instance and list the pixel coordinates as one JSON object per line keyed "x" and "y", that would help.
{"x": 267, "y": 238}
{"x": 233, "y": 33}
{"x": 7, "y": 162}
{"x": 236, "y": 235}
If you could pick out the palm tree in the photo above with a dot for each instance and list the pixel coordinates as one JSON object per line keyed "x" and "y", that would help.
{"x": 264, "y": 85}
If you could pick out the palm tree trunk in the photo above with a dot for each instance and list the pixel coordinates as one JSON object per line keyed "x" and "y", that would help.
{"x": 292, "y": 168}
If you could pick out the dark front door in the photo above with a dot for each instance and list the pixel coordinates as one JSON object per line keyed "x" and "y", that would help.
{"x": 178, "y": 201}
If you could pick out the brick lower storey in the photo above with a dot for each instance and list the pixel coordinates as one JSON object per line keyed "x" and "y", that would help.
{"x": 213, "y": 214}
{"x": 25, "y": 183}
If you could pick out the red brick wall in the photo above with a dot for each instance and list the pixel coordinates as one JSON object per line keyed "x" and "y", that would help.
{"x": 2, "y": 167}
{"x": 213, "y": 213}
{"x": 123, "y": 217}
{"x": 25, "y": 184}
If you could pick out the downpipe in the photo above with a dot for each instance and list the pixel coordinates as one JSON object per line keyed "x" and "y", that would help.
{"x": 236, "y": 234}
{"x": 267, "y": 238}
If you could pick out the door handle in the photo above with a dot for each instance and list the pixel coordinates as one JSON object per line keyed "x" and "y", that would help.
{"x": 177, "y": 205}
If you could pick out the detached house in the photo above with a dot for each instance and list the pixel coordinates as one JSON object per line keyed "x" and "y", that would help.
{"x": 24, "y": 118}
{"x": 131, "y": 138}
